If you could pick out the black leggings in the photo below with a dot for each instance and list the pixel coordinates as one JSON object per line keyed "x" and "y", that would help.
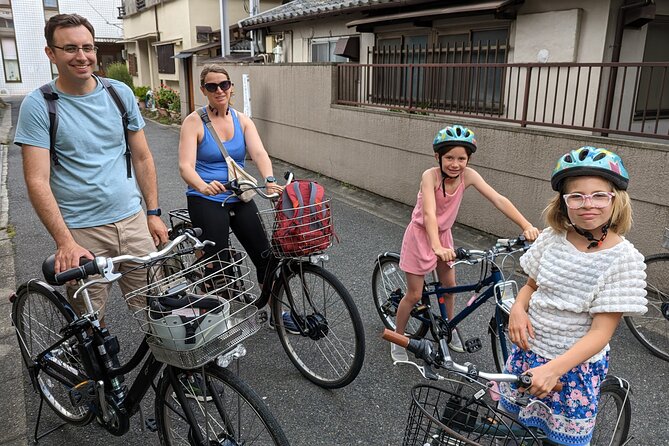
{"x": 242, "y": 217}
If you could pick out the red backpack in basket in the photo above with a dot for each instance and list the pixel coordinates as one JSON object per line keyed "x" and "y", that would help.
{"x": 302, "y": 222}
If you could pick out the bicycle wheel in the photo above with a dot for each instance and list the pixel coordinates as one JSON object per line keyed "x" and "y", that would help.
{"x": 331, "y": 352}
{"x": 227, "y": 410}
{"x": 174, "y": 264}
{"x": 652, "y": 328}
{"x": 38, "y": 314}
{"x": 388, "y": 288}
{"x": 496, "y": 343}
{"x": 614, "y": 415}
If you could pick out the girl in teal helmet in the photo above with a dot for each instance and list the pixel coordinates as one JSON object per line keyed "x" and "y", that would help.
{"x": 580, "y": 283}
{"x": 428, "y": 242}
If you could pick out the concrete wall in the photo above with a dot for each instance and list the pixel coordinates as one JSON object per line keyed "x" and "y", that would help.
{"x": 386, "y": 152}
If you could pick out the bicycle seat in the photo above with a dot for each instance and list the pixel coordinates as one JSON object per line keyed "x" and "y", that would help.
{"x": 49, "y": 269}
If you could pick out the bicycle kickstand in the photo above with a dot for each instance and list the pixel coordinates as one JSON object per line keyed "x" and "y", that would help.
{"x": 39, "y": 418}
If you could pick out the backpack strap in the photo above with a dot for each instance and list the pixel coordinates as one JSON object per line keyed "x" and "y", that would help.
{"x": 51, "y": 97}
{"x": 124, "y": 118}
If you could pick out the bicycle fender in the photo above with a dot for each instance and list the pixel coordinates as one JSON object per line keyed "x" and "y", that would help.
{"x": 36, "y": 283}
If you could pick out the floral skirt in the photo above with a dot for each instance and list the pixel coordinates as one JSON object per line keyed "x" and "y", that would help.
{"x": 573, "y": 409}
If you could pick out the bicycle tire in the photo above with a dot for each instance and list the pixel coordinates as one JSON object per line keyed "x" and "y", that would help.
{"x": 174, "y": 264}
{"x": 231, "y": 411}
{"x": 612, "y": 426}
{"x": 652, "y": 328}
{"x": 495, "y": 342}
{"x": 332, "y": 355}
{"x": 38, "y": 314}
{"x": 388, "y": 288}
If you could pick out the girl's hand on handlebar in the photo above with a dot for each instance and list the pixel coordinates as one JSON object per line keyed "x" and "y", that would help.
{"x": 213, "y": 188}
{"x": 520, "y": 327}
{"x": 445, "y": 254}
{"x": 531, "y": 233}
{"x": 544, "y": 380}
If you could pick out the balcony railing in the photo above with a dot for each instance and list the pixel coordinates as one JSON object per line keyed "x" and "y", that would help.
{"x": 608, "y": 98}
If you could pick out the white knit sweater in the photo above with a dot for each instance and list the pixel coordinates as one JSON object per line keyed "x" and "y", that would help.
{"x": 575, "y": 285}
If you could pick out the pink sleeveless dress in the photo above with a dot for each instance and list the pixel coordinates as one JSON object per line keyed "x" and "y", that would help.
{"x": 416, "y": 256}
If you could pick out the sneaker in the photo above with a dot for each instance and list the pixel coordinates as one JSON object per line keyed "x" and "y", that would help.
{"x": 398, "y": 353}
{"x": 456, "y": 342}
{"x": 192, "y": 387}
{"x": 288, "y": 323}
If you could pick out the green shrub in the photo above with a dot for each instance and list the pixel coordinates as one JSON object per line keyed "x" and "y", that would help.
{"x": 141, "y": 91}
{"x": 167, "y": 98}
{"x": 119, "y": 71}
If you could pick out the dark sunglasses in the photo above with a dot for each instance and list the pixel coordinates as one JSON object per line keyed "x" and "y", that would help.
{"x": 212, "y": 86}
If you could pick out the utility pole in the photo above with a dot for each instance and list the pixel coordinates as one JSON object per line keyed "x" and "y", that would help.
{"x": 254, "y": 6}
{"x": 225, "y": 29}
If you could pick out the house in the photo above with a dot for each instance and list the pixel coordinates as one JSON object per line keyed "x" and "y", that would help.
{"x": 161, "y": 35}
{"x": 533, "y": 78}
{"x": 24, "y": 65}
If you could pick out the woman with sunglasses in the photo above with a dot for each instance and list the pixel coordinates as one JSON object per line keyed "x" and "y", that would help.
{"x": 583, "y": 276}
{"x": 203, "y": 168}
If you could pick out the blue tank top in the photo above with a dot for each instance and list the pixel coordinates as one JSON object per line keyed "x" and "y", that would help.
{"x": 211, "y": 165}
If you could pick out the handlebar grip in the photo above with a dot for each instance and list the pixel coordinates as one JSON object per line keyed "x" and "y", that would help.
{"x": 196, "y": 232}
{"x": 461, "y": 253}
{"x": 525, "y": 381}
{"x": 81, "y": 272}
{"x": 395, "y": 338}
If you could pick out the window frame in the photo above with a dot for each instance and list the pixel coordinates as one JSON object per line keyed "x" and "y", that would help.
{"x": 332, "y": 43}
{"x": 5, "y": 60}
{"x": 48, "y": 7}
{"x": 166, "y": 63}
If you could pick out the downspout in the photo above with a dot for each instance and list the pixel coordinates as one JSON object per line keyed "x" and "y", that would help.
{"x": 615, "y": 58}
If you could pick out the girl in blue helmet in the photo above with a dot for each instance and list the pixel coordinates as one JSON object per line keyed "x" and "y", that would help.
{"x": 428, "y": 242}
{"x": 583, "y": 276}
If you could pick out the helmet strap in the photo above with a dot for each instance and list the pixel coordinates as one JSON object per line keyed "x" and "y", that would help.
{"x": 594, "y": 243}
{"x": 444, "y": 176}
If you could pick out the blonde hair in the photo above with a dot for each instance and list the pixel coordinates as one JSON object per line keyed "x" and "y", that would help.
{"x": 555, "y": 214}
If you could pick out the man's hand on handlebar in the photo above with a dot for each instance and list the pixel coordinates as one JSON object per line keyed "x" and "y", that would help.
{"x": 273, "y": 188}
{"x": 69, "y": 255}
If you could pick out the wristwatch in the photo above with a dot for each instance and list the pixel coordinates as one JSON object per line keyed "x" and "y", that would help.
{"x": 270, "y": 179}
{"x": 157, "y": 212}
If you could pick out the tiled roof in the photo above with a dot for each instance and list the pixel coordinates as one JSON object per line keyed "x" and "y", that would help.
{"x": 300, "y": 9}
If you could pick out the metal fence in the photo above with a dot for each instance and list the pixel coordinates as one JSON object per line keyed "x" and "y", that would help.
{"x": 607, "y": 98}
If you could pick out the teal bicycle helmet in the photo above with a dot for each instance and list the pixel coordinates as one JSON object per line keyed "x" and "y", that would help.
{"x": 453, "y": 136}
{"x": 590, "y": 161}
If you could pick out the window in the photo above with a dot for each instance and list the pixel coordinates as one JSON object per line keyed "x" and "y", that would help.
{"x": 10, "y": 60}
{"x": 132, "y": 64}
{"x": 322, "y": 50}
{"x": 140, "y": 4}
{"x": 5, "y": 3}
{"x": 653, "y": 80}
{"x": 50, "y": 4}
{"x": 165, "y": 61}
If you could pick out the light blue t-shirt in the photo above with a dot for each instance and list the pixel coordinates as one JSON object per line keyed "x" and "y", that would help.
{"x": 90, "y": 184}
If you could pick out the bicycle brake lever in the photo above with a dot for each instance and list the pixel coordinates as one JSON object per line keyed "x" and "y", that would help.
{"x": 425, "y": 370}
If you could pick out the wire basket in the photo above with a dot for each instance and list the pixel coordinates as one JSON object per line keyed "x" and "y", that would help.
{"x": 300, "y": 231}
{"x": 191, "y": 316}
{"x": 459, "y": 416}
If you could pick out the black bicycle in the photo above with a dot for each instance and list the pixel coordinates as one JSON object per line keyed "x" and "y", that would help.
{"x": 73, "y": 361}
{"x": 327, "y": 342}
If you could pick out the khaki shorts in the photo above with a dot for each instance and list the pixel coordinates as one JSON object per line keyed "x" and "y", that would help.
{"x": 129, "y": 236}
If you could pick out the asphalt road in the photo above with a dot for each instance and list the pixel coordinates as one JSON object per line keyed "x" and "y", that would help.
{"x": 373, "y": 409}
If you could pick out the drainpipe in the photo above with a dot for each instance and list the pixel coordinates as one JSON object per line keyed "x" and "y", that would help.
{"x": 225, "y": 29}
{"x": 615, "y": 57}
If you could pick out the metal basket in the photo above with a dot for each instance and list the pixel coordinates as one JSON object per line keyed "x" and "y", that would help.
{"x": 191, "y": 316}
{"x": 300, "y": 231}
{"x": 459, "y": 416}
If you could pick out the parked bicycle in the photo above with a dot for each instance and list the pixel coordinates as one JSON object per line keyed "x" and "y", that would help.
{"x": 328, "y": 343}
{"x": 389, "y": 287}
{"x": 73, "y": 361}
{"x": 652, "y": 328}
{"x": 465, "y": 410}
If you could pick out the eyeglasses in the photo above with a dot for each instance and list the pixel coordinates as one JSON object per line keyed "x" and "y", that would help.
{"x": 598, "y": 200}
{"x": 211, "y": 87}
{"x": 73, "y": 49}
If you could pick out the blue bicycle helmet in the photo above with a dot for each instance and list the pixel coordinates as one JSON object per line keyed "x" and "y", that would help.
{"x": 590, "y": 161}
{"x": 453, "y": 136}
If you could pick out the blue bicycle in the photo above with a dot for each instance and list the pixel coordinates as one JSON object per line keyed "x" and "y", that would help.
{"x": 389, "y": 287}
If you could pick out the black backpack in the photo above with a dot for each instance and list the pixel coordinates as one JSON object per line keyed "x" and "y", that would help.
{"x": 51, "y": 97}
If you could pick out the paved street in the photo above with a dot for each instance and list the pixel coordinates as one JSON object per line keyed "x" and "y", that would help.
{"x": 370, "y": 411}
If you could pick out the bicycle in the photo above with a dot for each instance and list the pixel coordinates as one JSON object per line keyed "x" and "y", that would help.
{"x": 467, "y": 413}
{"x": 389, "y": 287}
{"x": 73, "y": 361}
{"x": 652, "y": 328}
{"x": 330, "y": 346}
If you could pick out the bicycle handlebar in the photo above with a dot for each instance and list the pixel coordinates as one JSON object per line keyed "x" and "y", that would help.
{"x": 235, "y": 186}
{"x": 424, "y": 349}
{"x": 105, "y": 265}
{"x": 503, "y": 245}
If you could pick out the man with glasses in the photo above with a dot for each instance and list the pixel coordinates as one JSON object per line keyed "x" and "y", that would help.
{"x": 86, "y": 196}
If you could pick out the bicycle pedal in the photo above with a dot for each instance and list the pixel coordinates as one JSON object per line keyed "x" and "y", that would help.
{"x": 83, "y": 393}
{"x": 473, "y": 345}
{"x": 151, "y": 424}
